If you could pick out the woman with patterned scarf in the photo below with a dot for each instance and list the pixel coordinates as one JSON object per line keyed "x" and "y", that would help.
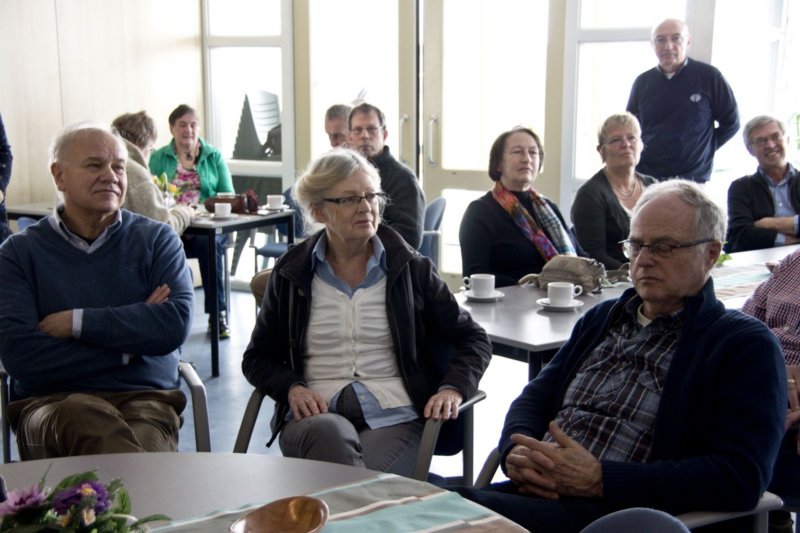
{"x": 513, "y": 230}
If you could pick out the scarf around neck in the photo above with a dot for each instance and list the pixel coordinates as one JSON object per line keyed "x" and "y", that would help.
{"x": 558, "y": 241}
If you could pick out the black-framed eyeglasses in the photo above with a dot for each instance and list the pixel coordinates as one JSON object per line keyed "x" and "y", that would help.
{"x": 662, "y": 250}
{"x": 371, "y": 130}
{"x": 372, "y": 198}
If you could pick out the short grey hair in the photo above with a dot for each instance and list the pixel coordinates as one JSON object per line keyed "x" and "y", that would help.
{"x": 341, "y": 111}
{"x": 64, "y": 139}
{"x": 619, "y": 120}
{"x": 758, "y": 122}
{"x": 324, "y": 173}
{"x": 709, "y": 218}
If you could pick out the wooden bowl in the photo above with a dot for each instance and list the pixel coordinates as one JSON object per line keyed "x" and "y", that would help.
{"x": 297, "y": 514}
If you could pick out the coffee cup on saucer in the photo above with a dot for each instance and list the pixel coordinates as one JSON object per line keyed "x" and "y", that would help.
{"x": 274, "y": 201}
{"x": 480, "y": 285}
{"x": 222, "y": 209}
{"x": 562, "y": 293}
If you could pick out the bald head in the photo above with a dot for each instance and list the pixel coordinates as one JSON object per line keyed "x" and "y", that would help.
{"x": 671, "y": 41}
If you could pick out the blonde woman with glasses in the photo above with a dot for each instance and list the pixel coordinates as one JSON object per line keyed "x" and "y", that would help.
{"x": 349, "y": 338}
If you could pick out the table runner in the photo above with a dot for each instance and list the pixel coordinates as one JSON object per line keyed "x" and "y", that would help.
{"x": 736, "y": 281}
{"x": 386, "y": 503}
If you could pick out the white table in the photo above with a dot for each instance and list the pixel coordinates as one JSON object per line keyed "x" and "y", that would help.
{"x": 187, "y": 487}
{"x": 517, "y": 321}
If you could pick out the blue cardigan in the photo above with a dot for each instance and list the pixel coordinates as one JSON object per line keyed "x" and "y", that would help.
{"x": 41, "y": 273}
{"x": 719, "y": 423}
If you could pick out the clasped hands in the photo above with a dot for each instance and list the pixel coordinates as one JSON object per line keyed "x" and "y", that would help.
{"x": 59, "y": 324}
{"x": 306, "y": 402}
{"x": 553, "y": 469}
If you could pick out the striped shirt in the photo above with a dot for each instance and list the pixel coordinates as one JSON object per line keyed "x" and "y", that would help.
{"x": 776, "y": 302}
{"x": 611, "y": 404}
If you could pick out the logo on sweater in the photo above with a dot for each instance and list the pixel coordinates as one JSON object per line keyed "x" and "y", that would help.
{"x": 695, "y": 98}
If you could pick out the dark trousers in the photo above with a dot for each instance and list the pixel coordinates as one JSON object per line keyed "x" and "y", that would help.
{"x": 197, "y": 246}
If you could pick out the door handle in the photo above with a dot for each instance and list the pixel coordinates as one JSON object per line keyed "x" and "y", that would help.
{"x": 403, "y": 121}
{"x": 433, "y": 120}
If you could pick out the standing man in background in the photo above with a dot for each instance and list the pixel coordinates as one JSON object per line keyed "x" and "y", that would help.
{"x": 336, "y": 124}
{"x": 405, "y": 210}
{"x": 678, "y": 103}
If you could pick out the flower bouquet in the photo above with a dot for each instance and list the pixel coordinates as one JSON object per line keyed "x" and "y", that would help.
{"x": 167, "y": 188}
{"x": 80, "y": 503}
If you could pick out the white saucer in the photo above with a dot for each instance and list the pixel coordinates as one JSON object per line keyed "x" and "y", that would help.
{"x": 545, "y": 302}
{"x": 496, "y": 295}
{"x": 284, "y": 207}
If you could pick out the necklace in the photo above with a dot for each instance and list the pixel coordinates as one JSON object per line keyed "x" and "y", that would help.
{"x": 189, "y": 156}
{"x": 626, "y": 195}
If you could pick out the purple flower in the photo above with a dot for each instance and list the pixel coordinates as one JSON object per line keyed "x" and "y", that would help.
{"x": 89, "y": 494}
{"x": 20, "y": 499}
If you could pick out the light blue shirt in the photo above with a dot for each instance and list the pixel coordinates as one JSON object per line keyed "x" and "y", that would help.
{"x": 782, "y": 197}
{"x": 377, "y": 268}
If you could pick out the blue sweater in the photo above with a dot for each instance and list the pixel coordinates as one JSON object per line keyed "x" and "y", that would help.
{"x": 41, "y": 273}
{"x": 719, "y": 422}
{"x": 677, "y": 117}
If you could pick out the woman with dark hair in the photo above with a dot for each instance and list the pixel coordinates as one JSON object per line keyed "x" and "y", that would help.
{"x": 199, "y": 171}
{"x": 512, "y": 230}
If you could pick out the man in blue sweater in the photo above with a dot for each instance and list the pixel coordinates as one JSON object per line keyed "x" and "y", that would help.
{"x": 95, "y": 303}
{"x": 677, "y": 104}
{"x": 662, "y": 398}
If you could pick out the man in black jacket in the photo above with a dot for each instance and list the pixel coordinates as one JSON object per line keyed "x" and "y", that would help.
{"x": 763, "y": 208}
{"x": 405, "y": 211}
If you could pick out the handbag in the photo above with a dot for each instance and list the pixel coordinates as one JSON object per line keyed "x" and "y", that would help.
{"x": 241, "y": 204}
{"x": 584, "y": 271}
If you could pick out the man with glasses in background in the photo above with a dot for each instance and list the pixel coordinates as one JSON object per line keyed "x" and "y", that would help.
{"x": 677, "y": 104}
{"x": 405, "y": 209}
{"x": 662, "y": 398}
{"x": 763, "y": 208}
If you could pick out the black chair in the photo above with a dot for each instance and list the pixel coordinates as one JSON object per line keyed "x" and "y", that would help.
{"x": 429, "y": 445}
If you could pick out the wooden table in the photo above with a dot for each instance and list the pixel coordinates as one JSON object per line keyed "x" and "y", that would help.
{"x": 208, "y": 491}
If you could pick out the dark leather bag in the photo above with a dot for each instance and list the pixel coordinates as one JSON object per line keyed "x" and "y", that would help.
{"x": 241, "y": 204}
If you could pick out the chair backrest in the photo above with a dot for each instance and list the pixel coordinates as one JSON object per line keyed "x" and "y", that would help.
{"x": 434, "y": 213}
{"x": 298, "y": 217}
{"x": 24, "y": 222}
{"x": 637, "y": 519}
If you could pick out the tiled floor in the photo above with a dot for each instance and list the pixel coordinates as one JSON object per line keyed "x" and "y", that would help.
{"x": 228, "y": 394}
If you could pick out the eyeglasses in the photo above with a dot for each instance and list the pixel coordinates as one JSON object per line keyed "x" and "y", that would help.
{"x": 776, "y": 138}
{"x": 617, "y": 141}
{"x": 371, "y": 130}
{"x": 372, "y": 198}
{"x": 662, "y": 40}
{"x": 662, "y": 250}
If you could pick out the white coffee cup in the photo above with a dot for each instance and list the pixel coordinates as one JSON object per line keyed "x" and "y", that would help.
{"x": 222, "y": 209}
{"x": 274, "y": 201}
{"x": 561, "y": 293}
{"x": 481, "y": 285}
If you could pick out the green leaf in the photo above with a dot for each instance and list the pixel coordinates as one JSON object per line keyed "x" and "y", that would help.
{"x": 76, "y": 479}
